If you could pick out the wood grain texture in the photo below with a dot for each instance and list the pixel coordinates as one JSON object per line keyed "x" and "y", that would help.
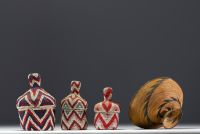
{"x": 157, "y": 104}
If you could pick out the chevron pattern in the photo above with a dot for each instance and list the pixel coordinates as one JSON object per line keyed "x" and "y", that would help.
{"x": 35, "y": 97}
{"x": 37, "y": 119}
{"x": 34, "y": 79}
{"x": 106, "y": 112}
{"x": 107, "y": 115}
{"x": 36, "y": 107}
{"x": 75, "y": 87}
{"x": 74, "y": 113}
{"x": 106, "y": 121}
{"x": 36, "y": 110}
{"x": 74, "y": 109}
{"x": 74, "y": 120}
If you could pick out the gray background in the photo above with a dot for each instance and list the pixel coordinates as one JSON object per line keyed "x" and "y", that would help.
{"x": 101, "y": 43}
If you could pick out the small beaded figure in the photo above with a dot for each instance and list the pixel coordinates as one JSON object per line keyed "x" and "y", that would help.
{"x": 106, "y": 112}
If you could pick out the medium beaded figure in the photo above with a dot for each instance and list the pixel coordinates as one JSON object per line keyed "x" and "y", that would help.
{"x": 106, "y": 112}
{"x": 36, "y": 107}
{"x": 74, "y": 109}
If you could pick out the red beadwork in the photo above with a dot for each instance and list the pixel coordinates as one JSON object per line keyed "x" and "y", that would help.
{"x": 106, "y": 112}
{"x": 36, "y": 107}
{"x": 74, "y": 109}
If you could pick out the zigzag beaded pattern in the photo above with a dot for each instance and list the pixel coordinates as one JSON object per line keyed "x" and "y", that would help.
{"x": 74, "y": 113}
{"x": 37, "y": 119}
{"x": 35, "y": 97}
{"x": 107, "y": 115}
{"x": 36, "y": 110}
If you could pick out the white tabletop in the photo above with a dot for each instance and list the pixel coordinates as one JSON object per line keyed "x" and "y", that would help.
{"x": 123, "y": 129}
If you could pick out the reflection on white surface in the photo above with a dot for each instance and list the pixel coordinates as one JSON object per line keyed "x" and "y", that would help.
{"x": 122, "y": 129}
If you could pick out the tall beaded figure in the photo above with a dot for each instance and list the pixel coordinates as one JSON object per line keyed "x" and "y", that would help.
{"x": 74, "y": 109}
{"x": 36, "y": 107}
{"x": 106, "y": 112}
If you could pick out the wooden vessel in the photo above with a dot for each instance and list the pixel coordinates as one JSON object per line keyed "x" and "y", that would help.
{"x": 157, "y": 104}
